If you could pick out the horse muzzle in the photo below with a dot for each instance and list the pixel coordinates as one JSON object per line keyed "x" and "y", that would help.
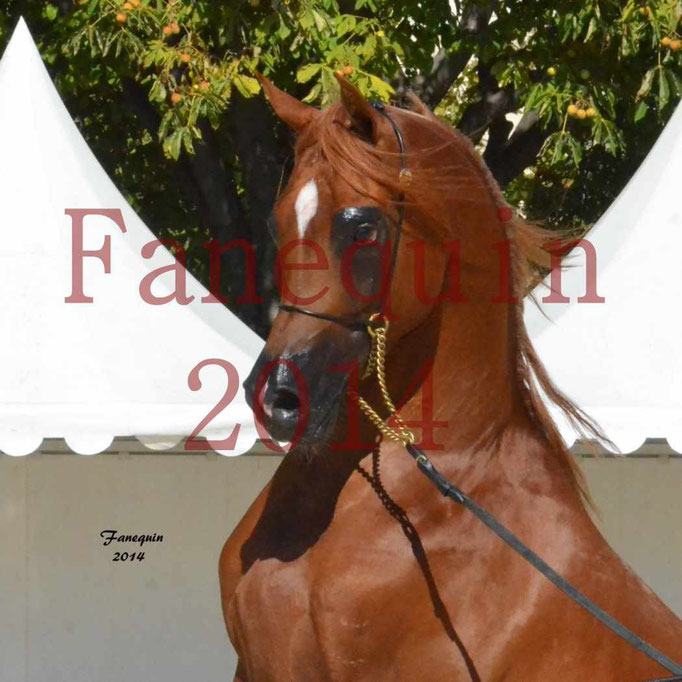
{"x": 299, "y": 396}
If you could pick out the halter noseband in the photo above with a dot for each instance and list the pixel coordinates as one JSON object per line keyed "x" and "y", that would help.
{"x": 375, "y": 319}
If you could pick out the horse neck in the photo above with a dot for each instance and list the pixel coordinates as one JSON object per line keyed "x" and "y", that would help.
{"x": 471, "y": 384}
{"x": 479, "y": 404}
{"x": 471, "y": 342}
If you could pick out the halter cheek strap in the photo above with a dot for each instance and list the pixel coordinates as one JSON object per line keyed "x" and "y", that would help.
{"x": 374, "y": 320}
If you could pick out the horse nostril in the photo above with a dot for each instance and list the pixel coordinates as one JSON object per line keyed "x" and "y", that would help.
{"x": 286, "y": 400}
{"x": 282, "y": 410}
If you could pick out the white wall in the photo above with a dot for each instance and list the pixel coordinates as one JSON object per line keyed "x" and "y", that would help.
{"x": 70, "y": 614}
{"x": 640, "y": 503}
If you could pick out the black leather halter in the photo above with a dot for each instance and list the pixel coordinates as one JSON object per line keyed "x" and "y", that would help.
{"x": 374, "y": 319}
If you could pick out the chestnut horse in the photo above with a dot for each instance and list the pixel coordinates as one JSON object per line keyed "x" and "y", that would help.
{"x": 349, "y": 565}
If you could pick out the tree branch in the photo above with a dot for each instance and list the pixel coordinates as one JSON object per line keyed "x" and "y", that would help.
{"x": 494, "y": 104}
{"x": 264, "y": 147}
{"x": 505, "y": 156}
{"x": 447, "y": 66}
{"x": 212, "y": 188}
{"x": 520, "y": 151}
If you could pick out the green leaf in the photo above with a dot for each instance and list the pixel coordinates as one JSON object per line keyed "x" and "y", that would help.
{"x": 369, "y": 48}
{"x": 330, "y": 87}
{"x": 158, "y": 91}
{"x": 663, "y": 89}
{"x": 597, "y": 132}
{"x": 319, "y": 21}
{"x": 382, "y": 88}
{"x": 172, "y": 145}
{"x": 576, "y": 150}
{"x": 307, "y": 19}
{"x": 640, "y": 111}
{"x": 305, "y": 73}
{"x": 283, "y": 31}
{"x": 51, "y": 12}
{"x": 559, "y": 148}
{"x": 645, "y": 87}
{"x": 187, "y": 140}
{"x": 591, "y": 28}
{"x": 675, "y": 85}
{"x": 165, "y": 123}
{"x": 532, "y": 98}
{"x": 346, "y": 24}
{"x": 313, "y": 94}
{"x": 628, "y": 11}
{"x": 246, "y": 85}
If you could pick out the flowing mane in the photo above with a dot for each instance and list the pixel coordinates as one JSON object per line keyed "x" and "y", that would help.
{"x": 352, "y": 158}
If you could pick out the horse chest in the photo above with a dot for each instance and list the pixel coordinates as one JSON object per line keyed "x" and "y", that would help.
{"x": 331, "y": 614}
{"x": 269, "y": 621}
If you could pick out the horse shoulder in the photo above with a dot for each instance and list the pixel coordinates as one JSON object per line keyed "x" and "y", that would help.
{"x": 230, "y": 566}
{"x": 626, "y": 596}
{"x": 561, "y": 631}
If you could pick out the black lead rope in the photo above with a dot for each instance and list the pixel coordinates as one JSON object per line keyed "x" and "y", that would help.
{"x": 454, "y": 493}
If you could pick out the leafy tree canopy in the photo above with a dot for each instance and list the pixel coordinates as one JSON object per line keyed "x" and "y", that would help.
{"x": 164, "y": 92}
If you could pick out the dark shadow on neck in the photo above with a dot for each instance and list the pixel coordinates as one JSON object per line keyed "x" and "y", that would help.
{"x": 399, "y": 514}
{"x": 300, "y": 505}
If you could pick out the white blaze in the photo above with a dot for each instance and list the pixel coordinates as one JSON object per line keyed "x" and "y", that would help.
{"x": 306, "y": 206}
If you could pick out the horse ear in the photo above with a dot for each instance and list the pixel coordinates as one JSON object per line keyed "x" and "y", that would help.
{"x": 293, "y": 112}
{"x": 358, "y": 114}
{"x": 420, "y": 108}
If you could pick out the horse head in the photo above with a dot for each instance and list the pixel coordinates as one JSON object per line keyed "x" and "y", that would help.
{"x": 363, "y": 175}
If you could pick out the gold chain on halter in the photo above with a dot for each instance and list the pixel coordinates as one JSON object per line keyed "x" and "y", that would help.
{"x": 376, "y": 364}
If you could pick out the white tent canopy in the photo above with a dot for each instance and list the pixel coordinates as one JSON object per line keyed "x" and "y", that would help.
{"x": 119, "y": 366}
{"x": 621, "y": 360}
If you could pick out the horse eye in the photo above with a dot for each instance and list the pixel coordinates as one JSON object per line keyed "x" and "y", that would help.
{"x": 365, "y": 232}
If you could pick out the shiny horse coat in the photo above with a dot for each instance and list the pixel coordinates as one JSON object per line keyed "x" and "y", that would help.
{"x": 349, "y": 565}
